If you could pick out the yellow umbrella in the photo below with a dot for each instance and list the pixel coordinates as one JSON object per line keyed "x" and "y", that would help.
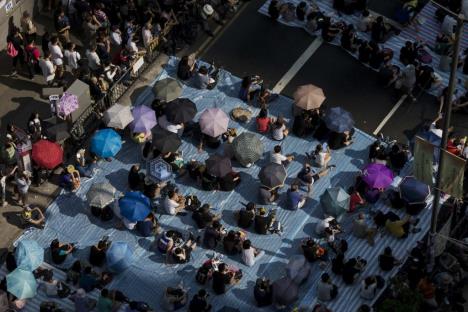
{"x": 309, "y": 97}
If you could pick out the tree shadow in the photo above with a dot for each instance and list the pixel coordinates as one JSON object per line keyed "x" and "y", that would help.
{"x": 343, "y": 179}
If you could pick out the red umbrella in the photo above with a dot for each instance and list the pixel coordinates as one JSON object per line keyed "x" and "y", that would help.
{"x": 47, "y": 154}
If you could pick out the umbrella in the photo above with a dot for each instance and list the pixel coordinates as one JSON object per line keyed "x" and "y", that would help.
{"x": 339, "y": 120}
{"x": 134, "y": 206}
{"x": 118, "y": 116}
{"x": 377, "y": 175}
{"x": 218, "y": 166}
{"x": 144, "y": 119}
{"x": 47, "y": 154}
{"x": 56, "y": 129}
{"x": 21, "y": 284}
{"x": 285, "y": 291}
{"x": 335, "y": 202}
{"x": 158, "y": 170}
{"x": 298, "y": 269}
{"x": 309, "y": 97}
{"x": 100, "y": 194}
{"x": 167, "y": 89}
{"x": 247, "y": 148}
{"x": 119, "y": 257}
{"x": 165, "y": 141}
{"x": 213, "y": 122}
{"x": 106, "y": 143}
{"x": 67, "y": 104}
{"x": 272, "y": 175}
{"x": 180, "y": 111}
{"x": 29, "y": 255}
{"x": 413, "y": 191}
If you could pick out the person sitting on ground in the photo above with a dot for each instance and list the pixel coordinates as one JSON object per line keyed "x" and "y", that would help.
{"x": 364, "y": 52}
{"x": 182, "y": 254}
{"x": 203, "y": 217}
{"x": 398, "y": 157}
{"x": 250, "y": 86}
{"x": 149, "y": 226}
{"x": 408, "y": 53}
{"x": 206, "y": 78}
{"x": 328, "y": 227}
{"x": 213, "y": 235}
{"x": 380, "y": 31}
{"x": 50, "y": 283}
{"x": 355, "y": 199}
{"x": 168, "y": 240}
{"x": 222, "y": 277}
{"x": 265, "y": 97}
{"x": 278, "y": 158}
{"x": 232, "y": 242}
{"x": 263, "y": 221}
{"x": 186, "y": 68}
{"x": 82, "y": 302}
{"x": 74, "y": 273}
{"x": 209, "y": 182}
{"x": 250, "y": 254}
{"x": 174, "y": 298}
{"x": 278, "y": 129}
{"x": 308, "y": 177}
{"x": 296, "y": 199}
{"x": 362, "y": 230}
{"x": 60, "y": 251}
{"x": 33, "y": 216}
{"x": 338, "y": 264}
{"x": 369, "y": 287}
{"x": 401, "y": 228}
{"x": 365, "y": 23}
{"x": 174, "y": 203}
{"x": 105, "y": 302}
{"x": 326, "y": 290}
{"x": 135, "y": 178}
{"x": 263, "y": 121}
{"x": 229, "y": 182}
{"x": 312, "y": 250}
{"x": 246, "y": 216}
{"x": 274, "y": 9}
{"x": 352, "y": 268}
{"x": 199, "y": 302}
{"x": 387, "y": 261}
{"x": 338, "y": 140}
{"x": 321, "y": 155}
{"x": 268, "y": 196}
{"x": 263, "y": 292}
{"x": 97, "y": 254}
{"x": 329, "y": 29}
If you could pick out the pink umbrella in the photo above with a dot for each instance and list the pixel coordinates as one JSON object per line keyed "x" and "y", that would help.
{"x": 213, "y": 122}
{"x": 67, "y": 104}
{"x": 377, "y": 175}
{"x": 144, "y": 119}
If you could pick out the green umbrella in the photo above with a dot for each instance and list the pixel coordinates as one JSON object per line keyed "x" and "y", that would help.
{"x": 247, "y": 148}
{"x": 21, "y": 284}
{"x": 167, "y": 89}
{"x": 335, "y": 202}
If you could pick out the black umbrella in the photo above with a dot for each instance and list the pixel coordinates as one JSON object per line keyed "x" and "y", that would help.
{"x": 165, "y": 141}
{"x": 218, "y": 166}
{"x": 180, "y": 111}
{"x": 56, "y": 129}
{"x": 272, "y": 175}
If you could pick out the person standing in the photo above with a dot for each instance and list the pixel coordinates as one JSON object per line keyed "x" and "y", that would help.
{"x": 4, "y": 174}
{"x": 47, "y": 68}
{"x": 56, "y": 56}
{"x": 32, "y": 58}
{"x": 23, "y": 181}
{"x": 15, "y": 49}
{"x": 72, "y": 57}
{"x": 27, "y": 26}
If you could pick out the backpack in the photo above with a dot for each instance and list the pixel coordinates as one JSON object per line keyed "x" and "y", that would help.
{"x": 11, "y": 50}
{"x": 107, "y": 214}
{"x": 423, "y": 56}
{"x": 192, "y": 203}
{"x": 203, "y": 274}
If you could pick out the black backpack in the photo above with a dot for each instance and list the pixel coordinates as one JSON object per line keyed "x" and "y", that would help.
{"x": 203, "y": 274}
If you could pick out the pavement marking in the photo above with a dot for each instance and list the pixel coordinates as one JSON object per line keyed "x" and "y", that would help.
{"x": 390, "y": 114}
{"x": 283, "y": 82}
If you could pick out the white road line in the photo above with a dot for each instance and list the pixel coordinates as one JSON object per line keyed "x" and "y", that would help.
{"x": 283, "y": 82}
{"x": 390, "y": 114}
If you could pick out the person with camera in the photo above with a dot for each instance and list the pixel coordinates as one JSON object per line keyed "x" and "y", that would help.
{"x": 60, "y": 251}
{"x": 206, "y": 79}
{"x": 97, "y": 254}
{"x": 213, "y": 235}
{"x": 199, "y": 302}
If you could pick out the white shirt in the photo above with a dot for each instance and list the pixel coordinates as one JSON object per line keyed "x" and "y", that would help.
{"x": 248, "y": 256}
{"x": 369, "y": 292}
{"x": 48, "y": 70}
{"x": 322, "y": 225}
{"x": 116, "y": 38}
{"x": 320, "y": 158}
{"x": 448, "y": 25}
{"x": 94, "y": 62}
{"x": 131, "y": 45}
{"x": 436, "y": 131}
{"x": 72, "y": 58}
{"x": 170, "y": 206}
{"x": 56, "y": 54}
{"x": 147, "y": 37}
{"x": 277, "y": 158}
{"x": 278, "y": 133}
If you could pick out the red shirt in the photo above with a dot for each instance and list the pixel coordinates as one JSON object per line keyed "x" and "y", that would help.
{"x": 34, "y": 51}
{"x": 263, "y": 124}
{"x": 451, "y": 148}
{"x": 354, "y": 200}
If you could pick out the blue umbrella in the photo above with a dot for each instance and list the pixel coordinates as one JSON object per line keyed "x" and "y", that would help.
{"x": 29, "y": 255}
{"x": 134, "y": 206}
{"x": 339, "y": 120}
{"x": 119, "y": 257}
{"x": 106, "y": 143}
{"x": 335, "y": 202}
{"x": 21, "y": 284}
{"x": 413, "y": 191}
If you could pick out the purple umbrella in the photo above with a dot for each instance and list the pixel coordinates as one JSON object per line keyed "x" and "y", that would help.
{"x": 144, "y": 119}
{"x": 67, "y": 104}
{"x": 377, "y": 175}
{"x": 213, "y": 122}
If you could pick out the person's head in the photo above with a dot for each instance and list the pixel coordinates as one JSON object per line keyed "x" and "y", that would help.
{"x": 388, "y": 251}
{"x": 47, "y": 55}
{"x": 105, "y": 293}
{"x": 135, "y": 168}
{"x": 205, "y": 208}
{"x": 247, "y": 244}
{"x": 279, "y": 122}
{"x": 294, "y": 187}
{"x": 222, "y": 267}
{"x": 26, "y": 14}
{"x": 277, "y": 149}
{"x": 88, "y": 270}
{"x": 246, "y": 82}
{"x": 217, "y": 225}
{"x": 250, "y": 206}
{"x": 171, "y": 194}
{"x": 361, "y": 216}
{"x": 93, "y": 47}
{"x": 76, "y": 266}
{"x": 148, "y": 26}
{"x": 48, "y": 276}
{"x": 325, "y": 277}
{"x": 202, "y": 293}
{"x": 203, "y": 70}
{"x": 184, "y": 59}
{"x": 395, "y": 148}
{"x": 178, "y": 251}
{"x": 352, "y": 262}
{"x": 262, "y": 211}
{"x": 263, "y": 113}
{"x": 408, "y": 44}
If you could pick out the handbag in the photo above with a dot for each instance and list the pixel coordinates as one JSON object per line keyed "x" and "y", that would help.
{"x": 11, "y": 50}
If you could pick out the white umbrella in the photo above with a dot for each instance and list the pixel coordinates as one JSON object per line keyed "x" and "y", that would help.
{"x": 118, "y": 116}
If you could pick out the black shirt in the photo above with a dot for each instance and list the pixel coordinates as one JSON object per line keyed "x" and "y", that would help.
{"x": 227, "y": 183}
{"x": 183, "y": 71}
{"x": 134, "y": 180}
{"x": 386, "y": 263}
{"x": 262, "y": 223}
{"x": 336, "y": 140}
{"x": 96, "y": 256}
{"x": 245, "y": 218}
{"x": 220, "y": 280}
{"x": 198, "y": 304}
{"x": 202, "y": 219}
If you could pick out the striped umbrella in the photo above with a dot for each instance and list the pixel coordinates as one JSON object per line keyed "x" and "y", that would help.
{"x": 247, "y": 148}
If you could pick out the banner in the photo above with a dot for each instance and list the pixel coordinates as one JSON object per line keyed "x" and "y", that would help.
{"x": 423, "y": 160}
{"x": 440, "y": 241}
{"x": 452, "y": 174}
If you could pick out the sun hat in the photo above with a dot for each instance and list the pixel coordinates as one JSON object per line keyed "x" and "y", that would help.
{"x": 208, "y": 9}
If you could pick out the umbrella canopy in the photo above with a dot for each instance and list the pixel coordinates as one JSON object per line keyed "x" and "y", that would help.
{"x": 118, "y": 116}
{"x": 100, "y": 194}
{"x": 158, "y": 170}
{"x": 106, "y": 143}
{"x": 309, "y": 97}
{"x": 247, "y": 148}
{"x": 377, "y": 175}
{"x": 21, "y": 284}
{"x": 180, "y": 111}
{"x": 165, "y": 141}
{"x": 144, "y": 119}
{"x": 339, "y": 120}
{"x": 218, "y": 166}
{"x": 285, "y": 291}
{"x": 335, "y": 202}
{"x": 272, "y": 175}
{"x": 213, "y": 122}
{"x": 29, "y": 255}
{"x": 167, "y": 89}
{"x": 413, "y": 191}
{"x": 47, "y": 154}
{"x": 298, "y": 269}
{"x": 56, "y": 129}
{"x": 67, "y": 104}
{"x": 119, "y": 257}
{"x": 134, "y": 206}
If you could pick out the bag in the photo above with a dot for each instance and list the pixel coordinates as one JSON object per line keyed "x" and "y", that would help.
{"x": 424, "y": 56}
{"x": 192, "y": 203}
{"x": 11, "y": 50}
{"x": 63, "y": 290}
{"x": 203, "y": 274}
{"x": 241, "y": 114}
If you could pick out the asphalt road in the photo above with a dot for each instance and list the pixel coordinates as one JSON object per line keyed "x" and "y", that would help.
{"x": 254, "y": 44}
